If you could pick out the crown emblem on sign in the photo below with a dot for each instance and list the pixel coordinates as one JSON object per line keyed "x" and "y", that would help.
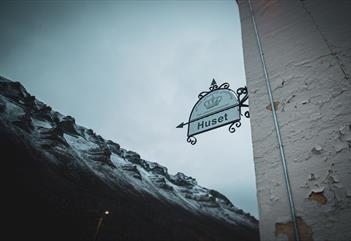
{"x": 212, "y": 102}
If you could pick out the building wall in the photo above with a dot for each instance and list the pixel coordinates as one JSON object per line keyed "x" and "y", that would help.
{"x": 307, "y": 50}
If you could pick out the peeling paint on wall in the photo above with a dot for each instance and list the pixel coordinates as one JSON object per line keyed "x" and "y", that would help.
{"x": 300, "y": 42}
{"x": 317, "y": 149}
{"x": 276, "y": 106}
{"x": 287, "y": 229}
{"x": 318, "y": 197}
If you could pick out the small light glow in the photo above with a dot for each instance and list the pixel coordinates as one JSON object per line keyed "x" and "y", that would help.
{"x": 107, "y": 212}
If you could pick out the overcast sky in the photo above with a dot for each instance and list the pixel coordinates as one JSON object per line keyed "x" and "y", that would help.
{"x": 131, "y": 71}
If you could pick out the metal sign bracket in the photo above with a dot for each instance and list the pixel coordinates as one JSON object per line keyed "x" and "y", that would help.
{"x": 215, "y": 108}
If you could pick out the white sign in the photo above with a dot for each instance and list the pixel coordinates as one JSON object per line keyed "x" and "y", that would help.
{"x": 215, "y": 109}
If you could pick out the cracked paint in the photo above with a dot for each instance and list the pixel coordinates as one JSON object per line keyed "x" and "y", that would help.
{"x": 318, "y": 197}
{"x": 276, "y": 106}
{"x": 314, "y": 117}
{"x": 286, "y": 229}
{"x": 317, "y": 149}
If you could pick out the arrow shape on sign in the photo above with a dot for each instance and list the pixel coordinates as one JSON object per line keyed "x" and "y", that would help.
{"x": 220, "y": 110}
{"x": 181, "y": 125}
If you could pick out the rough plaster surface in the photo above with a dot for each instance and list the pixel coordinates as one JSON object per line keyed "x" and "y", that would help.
{"x": 307, "y": 48}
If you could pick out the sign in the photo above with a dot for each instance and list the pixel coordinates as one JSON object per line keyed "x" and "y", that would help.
{"x": 216, "y": 108}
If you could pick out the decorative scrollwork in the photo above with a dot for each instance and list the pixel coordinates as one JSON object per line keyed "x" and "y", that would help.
{"x": 224, "y": 86}
{"x": 243, "y": 95}
{"x": 213, "y": 87}
{"x": 238, "y": 124}
{"x": 232, "y": 128}
{"x": 241, "y": 91}
{"x": 203, "y": 93}
{"x": 192, "y": 140}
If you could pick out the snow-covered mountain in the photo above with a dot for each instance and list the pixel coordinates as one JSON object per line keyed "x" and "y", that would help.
{"x": 64, "y": 171}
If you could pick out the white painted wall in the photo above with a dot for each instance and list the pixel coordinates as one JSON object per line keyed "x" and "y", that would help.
{"x": 307, "y": 48}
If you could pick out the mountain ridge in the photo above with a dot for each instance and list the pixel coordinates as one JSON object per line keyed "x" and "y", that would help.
{"x": 78, "y": 155}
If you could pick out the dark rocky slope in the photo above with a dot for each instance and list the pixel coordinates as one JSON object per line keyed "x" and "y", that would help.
{"x": 57, "y": 179}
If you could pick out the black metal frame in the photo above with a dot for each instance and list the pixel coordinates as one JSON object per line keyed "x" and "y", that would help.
{"x": 241, "y": 95}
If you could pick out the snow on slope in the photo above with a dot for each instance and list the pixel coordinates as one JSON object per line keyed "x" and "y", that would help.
{"x": 51, "y": 132}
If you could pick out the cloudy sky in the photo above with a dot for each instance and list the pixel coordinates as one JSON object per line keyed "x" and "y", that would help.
{"x": 132, "y": 70}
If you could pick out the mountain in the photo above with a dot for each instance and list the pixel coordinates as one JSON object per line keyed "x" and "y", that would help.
{"x": 58, "y": 178}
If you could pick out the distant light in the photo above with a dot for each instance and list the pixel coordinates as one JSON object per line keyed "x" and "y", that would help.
{"x": 107, "y": 212}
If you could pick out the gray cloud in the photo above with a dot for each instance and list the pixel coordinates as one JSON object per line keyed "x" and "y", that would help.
{"x": 131, "y": 71}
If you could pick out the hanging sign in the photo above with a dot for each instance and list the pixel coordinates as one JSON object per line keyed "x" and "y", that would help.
{"x": 216, "y": 108}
